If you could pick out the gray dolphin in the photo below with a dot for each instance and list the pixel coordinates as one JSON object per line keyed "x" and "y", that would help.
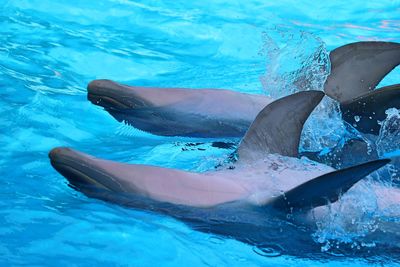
{"x": 268, "y": 181}
{"x": 356, "y": 69}
{"x": 177, "y": 111}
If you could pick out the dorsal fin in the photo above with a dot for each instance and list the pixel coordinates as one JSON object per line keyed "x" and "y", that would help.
{"x": 328, "y": 187}
{"x": 277, "y": 128}
{"x": 358, "y": 68}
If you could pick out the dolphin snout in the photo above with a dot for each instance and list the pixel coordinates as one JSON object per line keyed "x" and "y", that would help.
{"x": 60, "y": 155}
{"x": 107, "y": 94}
{"x": 65, "y": 154}
{"x": 74, "y": 166}
{"x": 112, "y": 95}
{"x": 57, "y": 152}
{"x": 67, "y": 161}
{"x": 103, "y": 86}
{"x": 83, "y": 170}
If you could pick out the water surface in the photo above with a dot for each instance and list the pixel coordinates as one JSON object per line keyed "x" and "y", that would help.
{"x": 50, "y": 50}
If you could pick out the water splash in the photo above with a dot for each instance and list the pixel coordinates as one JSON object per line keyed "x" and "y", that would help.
{"x": 299, "y": 61}
{"x": 350, "y": 221}
{"x": 295, "y": 61}
{"x": 388, "y": 142}
{"x": 324, "y": 129}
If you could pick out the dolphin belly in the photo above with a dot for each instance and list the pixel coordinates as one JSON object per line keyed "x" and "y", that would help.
{"x": 165, "y": 121}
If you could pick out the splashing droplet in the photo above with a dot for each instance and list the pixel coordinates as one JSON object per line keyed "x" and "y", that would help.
{"x": 268, "y": 250}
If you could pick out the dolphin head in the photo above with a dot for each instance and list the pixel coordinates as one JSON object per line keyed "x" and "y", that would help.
{"x": 132, "y": 105}
{"x": 114, "y": 96}
{"x": 96, "y": 178}
{"x": 85, "y": 173}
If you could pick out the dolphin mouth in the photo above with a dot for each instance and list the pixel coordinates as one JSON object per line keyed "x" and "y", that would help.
{"x": 106, "y": 102}
{"x": 79, "y": 169}
{"x": 113, "y": 96}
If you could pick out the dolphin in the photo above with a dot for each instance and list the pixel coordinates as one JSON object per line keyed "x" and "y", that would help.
{"x": 356, "y": 69}
{"x": 178, "y": 111}
{"x": 268, "y": 181}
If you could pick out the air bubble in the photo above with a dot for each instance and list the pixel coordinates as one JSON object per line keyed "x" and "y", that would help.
{"x": 268, "y": 250}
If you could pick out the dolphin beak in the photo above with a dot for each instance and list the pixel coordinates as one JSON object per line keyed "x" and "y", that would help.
{"x": 81, "y": 170}
{"x": 114, "y": 96}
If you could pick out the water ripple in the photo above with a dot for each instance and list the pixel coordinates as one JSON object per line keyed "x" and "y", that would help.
{"x": 50, "y": 50}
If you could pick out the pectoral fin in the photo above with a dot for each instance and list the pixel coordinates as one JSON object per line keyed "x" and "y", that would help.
{"x": 326, "y": 188}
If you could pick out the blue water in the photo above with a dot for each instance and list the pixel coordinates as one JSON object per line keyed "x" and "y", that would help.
{"x": 50, "y": 50}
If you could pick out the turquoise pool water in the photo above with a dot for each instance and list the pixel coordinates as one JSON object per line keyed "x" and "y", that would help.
{"x": 50, "y": 50}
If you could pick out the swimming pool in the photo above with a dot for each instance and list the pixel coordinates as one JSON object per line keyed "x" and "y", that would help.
{"x": 50, "y": 50}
